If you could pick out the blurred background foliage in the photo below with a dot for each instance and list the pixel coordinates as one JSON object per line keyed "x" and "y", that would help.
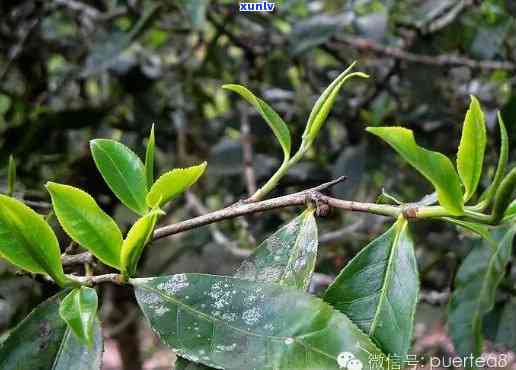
{"x": 73, "y": 70}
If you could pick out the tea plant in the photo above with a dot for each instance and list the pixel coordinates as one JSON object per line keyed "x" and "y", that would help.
{"x": 262, "y": 317}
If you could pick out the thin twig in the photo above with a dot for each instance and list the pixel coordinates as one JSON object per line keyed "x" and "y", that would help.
{"x": 296, "y": 199}
{"x": 93, "y": 280}
{"x": 76, "y": 259}
{"x": 443, "y": 60}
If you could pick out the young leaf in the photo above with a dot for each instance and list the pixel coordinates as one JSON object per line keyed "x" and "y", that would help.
{"x": 324, "y": 104}
{"x": 287, "y": 257}
{"x": 138, "y": 236}
{"x": 212, "y": 319}
{"x": 149, "y": 159}
{"x": 27, "y": 241}
{"x": 11, "y": 176}
{"x": 87, "y": 224}
{"x": 43, "y": 341}
{"x": 79, "y": 310}
{"x": 277, "y": 125}
{"x": 173, "y": 183}
{"x": 434, "y": 166}
{"x": 510, "y": 212}
{"x": 470, "y": 156}
{"x": 123, "y": 171}
{"x": 378, "y": 290}
{"x": 490, "y": 192}
{"x": 475, "y": 287}
{"x": 480, "y": 229}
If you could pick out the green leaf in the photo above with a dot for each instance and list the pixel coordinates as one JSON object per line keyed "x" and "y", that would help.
{"x": 470, "y": 156}
{"x": 43, "y": 341}
{"x": 286, "y": 257}
{"x": 378, "y": 290}
{"x": 434, "y": 166}
{"x": 11, "y": 176}
{"x": 173, "y": 183}
{"x": 475, "y": 287}
{"x": 137, "y": 237}
{"x": 510, "y": 212}
{"x": 490, "y": 192}
{"x": 27, "y": 241}
{"x": 79, "y": 309}
{"x": 480, "y": 229}
{"x": 214, "y": 320}
{"x": 149, "y": 159}
{"x": 123, "y": 171}
{"x": 324, "y": 104}
{"x": 87, "y": 224}
{"x": 277, "y": 125}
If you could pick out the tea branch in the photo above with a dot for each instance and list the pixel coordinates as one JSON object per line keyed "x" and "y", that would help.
{"x": 443, "y": 60}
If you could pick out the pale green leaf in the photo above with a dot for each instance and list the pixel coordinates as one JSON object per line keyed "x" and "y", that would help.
{"x": 277, "y": 125}
{"x": 43, "y": 341}
{"x": 470, "y": 156}
{"x": 149, "y": 158}
{"x": 86, "y": 223}
{"x": 79, "y": 310}
{"x": 137, "y": 237}
{"x": 490, "y": 192}
{"x": 475, "y": 288}
{"x": 226, "y": 322}
{"x": 173, "y": 183}
{"x": 510, "y": 212}
{"x": 123, "y": 172}
{"x": 27, "y": 241}
{"x": 324, "y": 104}
{"x": 434, "y": 166}
{"x": 286, "y": 257}
{"x": 378, "y": 290}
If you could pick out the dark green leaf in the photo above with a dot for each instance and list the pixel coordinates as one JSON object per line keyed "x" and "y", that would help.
{"x": 500, "y": 324}
{"x": 123, "y": 171}
{"x": 434, "y": 166}
{"x": 43, "y": 341}
{"x": 149, "y": 159}
{"x": 275, "y": 122}
{"x": 232, "y": 323}
{"x": 475, "y": 287}
{"x": 378, "y": 290}
{"x": 324, "y": 104}
{"x": 79, "y": 310}
{"x": 27, "y": 241}
{"x": 87, "y": 224}
{"x": 470, "y": 156}
{"x": 286, "y": 257}
{"x": 138, "y": 236}
{"x": 173, "y": 183}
